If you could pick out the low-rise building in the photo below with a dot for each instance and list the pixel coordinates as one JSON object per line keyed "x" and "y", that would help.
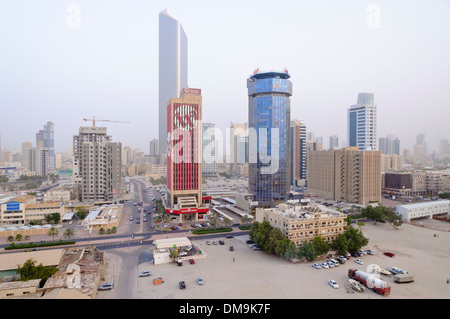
{"x": 106, "y": 217}
{"x": 302, "y": 223}
{"x": 423, "y": 210}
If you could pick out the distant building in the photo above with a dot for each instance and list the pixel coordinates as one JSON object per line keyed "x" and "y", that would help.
{"x": 334, "y": 141}
{"x": 389, "y": 145}
{"x": 38, "y": 161}
{"x": 362, "y": 123}
{"x": 154, "y": 147}
{"x": 210, "y": 166}
{"x": 298, "y": 152}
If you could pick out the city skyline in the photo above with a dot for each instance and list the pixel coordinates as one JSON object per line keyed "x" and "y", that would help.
{"x": 108, "y": 66}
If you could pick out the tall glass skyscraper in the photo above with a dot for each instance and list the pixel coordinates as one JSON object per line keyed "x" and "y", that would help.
{"x": 362, "y": 123}
{"x": 172, "y": 68}
{"x": 269, "y": 113}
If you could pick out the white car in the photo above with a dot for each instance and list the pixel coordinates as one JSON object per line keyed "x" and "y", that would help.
{"x": 324, "y": 265}
{"x": 333, "y": 283}
{"x": 317, "y": 266}
{"x": 359, "y": 261}
{"x": 145, "y": 273}
{"x": 331, "y": 264}
{"x": 370, "y": 252}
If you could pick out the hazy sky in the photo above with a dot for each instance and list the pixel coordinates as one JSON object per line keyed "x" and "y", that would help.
{"x": 54, "y": 69}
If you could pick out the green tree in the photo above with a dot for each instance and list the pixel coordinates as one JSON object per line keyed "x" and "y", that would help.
{"x": 308, "y": 251}
{"x": 356, "y": 239}
{"x": 340, "y": 244}
{"x": 18, "y": 237}
{"x": 173, "y": 254}
{"x": 226, "y": 221}
{"x": 29, "y": 271}
{"x": 321, "y": 246}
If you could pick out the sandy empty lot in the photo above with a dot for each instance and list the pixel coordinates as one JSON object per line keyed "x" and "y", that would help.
{"x": 255, "y": 274}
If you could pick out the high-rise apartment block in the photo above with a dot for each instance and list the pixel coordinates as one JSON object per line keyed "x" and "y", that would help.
{"x": 269, "y": 122}
{"x": 350, "y": 175}
{"x": 184, "y": 156}
{"x": 154, "y": 147}
{"x": 97, "y": 165}
{"x": 298, "y": 152}
{"x": 46, "y": 139}
{"x": 334, "y": 141}
{"x": 362, "y": 123}
{"x": 37, "y": 161}
{"x": 173, "y": 68}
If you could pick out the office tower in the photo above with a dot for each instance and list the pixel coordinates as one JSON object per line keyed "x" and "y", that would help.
{"x": 389, "y": 145}
{"x": 97, "y": 165}
{"x": 46, "y": 139}
{"x": 184, "y": 156}
{"x": 269, "y": 115}
{"x": 173, "y": 68}
{"x": 298, "y": 152}
{"x": 334, "y": 141}
{"x": 349, "y": 175}
{"x": 37, "y": 161}
{"x": 154, "y": 147}
{"x": 420, "y": 148}
{"x": 25, "y": 147}
{"x": 237, "y": 131}
{"x": 210, "y": 166}
{"x": 362, "y": 123}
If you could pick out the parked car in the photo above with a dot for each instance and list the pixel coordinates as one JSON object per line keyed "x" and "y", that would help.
{"x": 324, "y": 265}
{"x": 359, "y": 261}
{"x": 208, "y": 242}
{"x": 200, "y": 280}
{"x": 256, "y": 247}
{"x": 182, "y": 285}
{"x": 221, "y": 242}
{"x": 370, "y": 252}
{"x": 231, "y": 248}
{"x": 138, "y": 222}
{"x": 389, "y": 254}
{"x": 215, "y": 242}
{"x": 330, "y": 264}
{"x": 191, "y": 261}
{"x": 145, "y": 273}
{"x": 107, "y": 286}
{"x": 317, "y": 266}
{"x": 333, "y": 283}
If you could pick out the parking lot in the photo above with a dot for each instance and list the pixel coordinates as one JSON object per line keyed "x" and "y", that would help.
{"x": 254, "y": 274}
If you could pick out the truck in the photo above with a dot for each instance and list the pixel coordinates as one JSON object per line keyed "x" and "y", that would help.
{"x": 399, "y": 278}
{"x": 370, "y": 281}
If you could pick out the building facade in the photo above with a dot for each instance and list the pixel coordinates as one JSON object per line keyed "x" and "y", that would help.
{"x": 173, "y": 68}
{"x": 348, "y": 175}
{"x": 97, "y": 163}
{"x": 210, "y": 165}
{"x": 184, "y": 156}
{"x": 38, "y": 161}
{"x": 362, "y": 123}
{"x": 301, "y": 224}
{"x": 269, "y": 136}
{"x": 298, "y": 153}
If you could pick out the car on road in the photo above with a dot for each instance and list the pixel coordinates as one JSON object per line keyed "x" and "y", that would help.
{"x": 138, "y": 221}
{"x": 144, "y": 220}
{"x": 191, "y": 261}
{"x": 182, "y": 285}
{"x": 107, "y": 286}
{"x": 145, "y": 273}
{"x": 229, "y": 236}
{"x": 317, "y": 266}
{"x": 389, "y": 254}
{"x": 333, "y": 283}
{"x": 359, "y": 261}
{"x": 131, "y": 218}
{"x": 200, "y": 281}
{"x": 231, "y": 248}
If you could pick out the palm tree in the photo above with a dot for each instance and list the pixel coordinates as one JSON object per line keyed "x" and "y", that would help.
{"x": 245, "y": 219}
{"x": 53, "y": 231}
{"x": 174, "y": 254}
{"x": 226, "y": 221}
{"x": 68, "y": 232}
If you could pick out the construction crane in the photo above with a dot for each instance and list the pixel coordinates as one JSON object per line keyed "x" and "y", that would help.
{"x": 94, "y": 119}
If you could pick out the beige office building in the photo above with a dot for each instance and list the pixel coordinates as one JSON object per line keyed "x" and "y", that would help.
{"x": 347, "y": 174}
{"x": 302, "y": 223}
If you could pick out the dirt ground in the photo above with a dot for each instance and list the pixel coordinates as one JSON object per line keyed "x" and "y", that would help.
{"x": 253, "y": 274}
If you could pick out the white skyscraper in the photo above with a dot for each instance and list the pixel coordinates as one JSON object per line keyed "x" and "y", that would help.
{"x": 173, "y": 69}
{"x": 362, "y": 123}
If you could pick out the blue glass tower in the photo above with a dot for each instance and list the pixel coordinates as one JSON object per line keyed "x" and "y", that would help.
{"x": 269, "y": 108}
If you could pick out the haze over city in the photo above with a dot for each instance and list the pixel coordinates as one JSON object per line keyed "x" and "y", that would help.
{"x": 107, "y": 66}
